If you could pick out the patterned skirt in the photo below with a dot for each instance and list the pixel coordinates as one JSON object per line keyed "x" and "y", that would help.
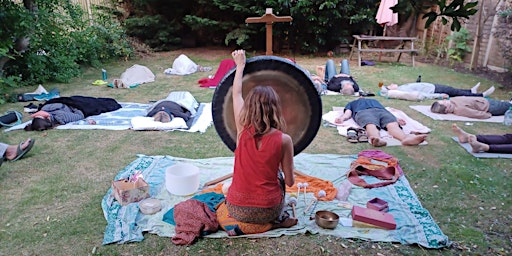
{"x": 254, "y": 214}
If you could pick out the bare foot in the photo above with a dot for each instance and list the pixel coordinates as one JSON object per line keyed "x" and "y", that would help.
{"x": 289, "y": 222}
{"x": 478, "y": 146}
{"x": 413, "y": 140}
{"x": 12, "y": 150}
{"x": 461, "y": 134}
{"x": 377, "y": 142}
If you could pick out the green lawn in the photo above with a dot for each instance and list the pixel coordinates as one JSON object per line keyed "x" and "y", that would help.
{"x": 51, "y": 200}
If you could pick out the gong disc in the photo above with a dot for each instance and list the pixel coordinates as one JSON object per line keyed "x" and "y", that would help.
{"x": 300, "y": 103}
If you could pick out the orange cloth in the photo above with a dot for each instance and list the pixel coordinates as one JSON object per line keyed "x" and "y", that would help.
{"x": 217, "y": 189}
{"x": 234, "y": 227}
{"x": 314, "y": 185}
{"x": 41, "y": 113}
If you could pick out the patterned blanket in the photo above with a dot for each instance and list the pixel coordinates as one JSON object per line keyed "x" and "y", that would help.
{"x": 415, "y": 225}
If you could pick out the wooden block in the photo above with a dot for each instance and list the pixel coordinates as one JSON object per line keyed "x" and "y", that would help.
{"x": 380, "y": 219}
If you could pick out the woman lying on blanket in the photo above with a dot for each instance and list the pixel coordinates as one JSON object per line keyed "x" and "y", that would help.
{"x": 371, "y": 115}
{"x": 420, "y": 91}
{"x": 472, "y": 107}
{"x": 485, "y": 143}
{"x": 65, "y": 110}
{"x": 256, "y": 196}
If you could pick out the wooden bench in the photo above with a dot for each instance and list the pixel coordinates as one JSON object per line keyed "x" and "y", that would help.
{"x": 401, "y": 49}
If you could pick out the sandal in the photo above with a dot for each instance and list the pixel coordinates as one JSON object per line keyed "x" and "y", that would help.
{"x": 361, "y": 135}
{"x": 352, "y": 135}
{"x": 21, "y": 152}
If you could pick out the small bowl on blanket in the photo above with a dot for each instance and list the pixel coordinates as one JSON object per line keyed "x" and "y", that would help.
{"x": 327, "y": 219}
{"x": 182, "y": 179}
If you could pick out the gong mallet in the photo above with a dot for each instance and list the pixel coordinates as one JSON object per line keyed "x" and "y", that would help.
{"x": 321, "y": 194}
{"x": 292, "y": 202}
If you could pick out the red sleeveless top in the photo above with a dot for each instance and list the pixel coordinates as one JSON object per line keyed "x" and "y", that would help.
{"x": 255, "y": 181}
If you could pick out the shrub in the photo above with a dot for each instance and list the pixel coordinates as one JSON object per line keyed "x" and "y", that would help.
{"x": 460, "y": 44}
{"x": 61, "y": 39}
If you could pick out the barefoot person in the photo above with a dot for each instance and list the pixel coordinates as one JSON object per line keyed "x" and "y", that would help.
{"x": 263, "y": 155}
{"x": 15, "y": 152}
{"x": 371, "y": 115}
{"x": 485, "y": 143}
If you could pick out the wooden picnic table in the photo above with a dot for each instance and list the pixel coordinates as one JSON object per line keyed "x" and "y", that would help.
{"x": 401, "y": 49}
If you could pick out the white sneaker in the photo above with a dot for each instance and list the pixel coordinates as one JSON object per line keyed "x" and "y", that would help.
{"x": 475, "y": 88}
{"x": 488, "y": 92}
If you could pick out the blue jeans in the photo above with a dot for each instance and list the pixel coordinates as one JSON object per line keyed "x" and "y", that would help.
{"x": 330, "y": 70}
{"x": 498, "y": 107}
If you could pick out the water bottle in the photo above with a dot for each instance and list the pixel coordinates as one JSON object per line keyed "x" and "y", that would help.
{"x": 104, "y": 74}
{"x": 508, "y": 117}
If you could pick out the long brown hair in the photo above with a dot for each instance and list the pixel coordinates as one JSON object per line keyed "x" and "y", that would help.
{"x": 262, "y": 110}
{"x": 39, "y": 124}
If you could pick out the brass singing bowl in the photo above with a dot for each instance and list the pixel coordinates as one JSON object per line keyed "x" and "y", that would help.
{"x": 300, "y": 102}
{"x": 327, "y": 219}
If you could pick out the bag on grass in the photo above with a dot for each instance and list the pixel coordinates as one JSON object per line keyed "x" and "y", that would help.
{"x": 11, "y": 118}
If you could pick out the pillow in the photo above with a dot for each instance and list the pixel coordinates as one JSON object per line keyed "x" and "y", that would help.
{"x": 142, "y": 123}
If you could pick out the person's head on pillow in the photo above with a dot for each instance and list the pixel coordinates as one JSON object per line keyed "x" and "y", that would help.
{"x": 347, "y": 87}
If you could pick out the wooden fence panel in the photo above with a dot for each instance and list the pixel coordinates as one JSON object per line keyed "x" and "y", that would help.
{"x": 489, "y": 54}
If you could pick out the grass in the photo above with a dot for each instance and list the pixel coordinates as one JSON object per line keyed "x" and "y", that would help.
{"x": 51, "y": 199}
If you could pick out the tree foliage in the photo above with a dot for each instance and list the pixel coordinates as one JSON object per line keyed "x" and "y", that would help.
{"x": 317, "y": 24}
{"x": 48, "y": 40}
{"x": 455, "y": 11}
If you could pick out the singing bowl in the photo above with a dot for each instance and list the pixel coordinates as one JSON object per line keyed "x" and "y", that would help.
{"x": 327, "y": 219}
{"x": 300, "y": 102}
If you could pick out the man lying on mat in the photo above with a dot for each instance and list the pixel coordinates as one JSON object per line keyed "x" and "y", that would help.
{"x": 472, "y": 107}
{"x": 372, "y": 116}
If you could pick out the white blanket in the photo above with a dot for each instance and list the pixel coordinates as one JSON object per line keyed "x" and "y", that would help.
{"x": 201, "y": 122}
{"x": 411, "y": 126}
{"x": 136, "y": 75}
{"x": 182, "y": 65}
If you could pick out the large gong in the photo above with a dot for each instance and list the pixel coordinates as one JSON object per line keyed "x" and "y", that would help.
{"x": 301, "y": 104}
